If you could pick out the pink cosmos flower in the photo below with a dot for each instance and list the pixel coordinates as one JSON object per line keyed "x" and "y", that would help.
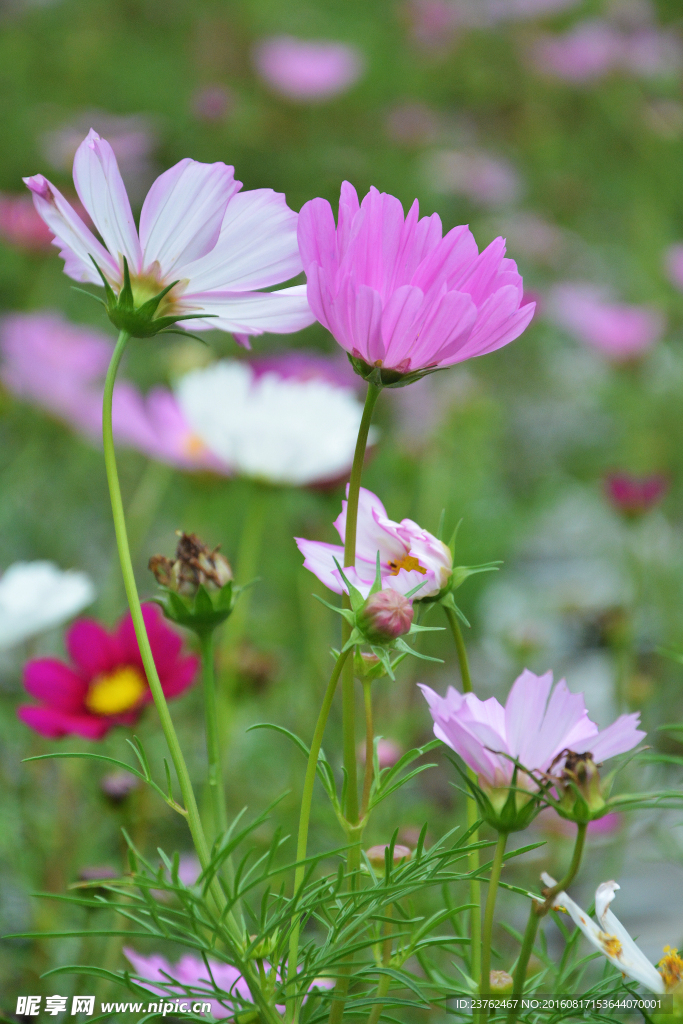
{"x": 481, "y": 178}
{"x": 388, "y": 752}
{"x": 535, "y": 727}
{"x": 635, "y": 495}
{"x": 304, "y": 365}
{"x": 408, "y": 554}
{"x": 308, "y": 71}
{"x": 195, "y": 228}
{"x": 398, "y": 295}
{"x": 60, "y": 367}
{"x": 105, "y": 684}
{"x": 21, "y": 226}
{"x": 586, "y": 52}
{"x": 192, "y": 979}
{"x": 620, "y": 332}
{"x": 674, "y": 264}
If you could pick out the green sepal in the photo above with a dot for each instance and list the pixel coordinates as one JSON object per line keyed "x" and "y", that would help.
{"x": 382, "y": 377}
{"x": 204, "y": 611}
{"x": 509, "y": 817}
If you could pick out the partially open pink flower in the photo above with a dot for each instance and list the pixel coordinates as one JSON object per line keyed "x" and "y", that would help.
{"x": 196, "y": 228}
{"x": 620, "y": 332}
{"x": 535, "y": 727}
{"x": 635, "y": 495}
{"x": 21, "y": 226}
{"x": 409, "y": 555}
{"x": 308, "y": 70}
{"x": 105, "y": 684}
{"x": 396, "y": 294}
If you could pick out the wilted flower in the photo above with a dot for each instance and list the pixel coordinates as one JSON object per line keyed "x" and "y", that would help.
{"x": 272, "y": 427}
{"x": 620, "y": 332}
{"x": 634, "y": 495}
{"x": 195, "y": 565}
{"x": 483, "y": 179}
{"x": 544, "y": 732}
{"x": 385, "y": 616}
{"x": 409, "y": 555}
{"x": 36, "y": 596}
{"x": 612, "y": 939}
{"x": 20, "y": 225}
{"x": 106, "y": 684}
{"x": 399, "y": 298}
{"x": 308, "y": 71}
{"x": 198, "y": 234}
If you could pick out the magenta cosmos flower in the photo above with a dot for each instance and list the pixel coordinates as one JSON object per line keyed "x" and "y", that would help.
{"x": 634, "y": 495}
{"x": 308, "y": 71}
{"x": 397, "y": 295}
{"x": 409, "y": 555}
{"x": 196, "y": 228}
{"x": 535, "y": 727}
{"x": 105, "y": 684}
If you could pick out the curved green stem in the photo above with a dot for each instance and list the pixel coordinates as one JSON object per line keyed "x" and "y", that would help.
{"x": 496, "y": 867}
{"x": 304, "y": 819}
{"x": 472, "y": 811}
{"x": 539, "y": 910}
{"x": 191, "y": 810}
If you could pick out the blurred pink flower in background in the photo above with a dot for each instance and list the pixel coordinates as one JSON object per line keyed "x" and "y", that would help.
{"x": 434, "y": 23}
{"x": 483, "y": 179}
{"x": 412, "y": 124}
{"x": 551, "y": 823}
{"x": 305, "y": 365}
{"x": 673, "y": 260}
{"x": 620, "y": 332}
{"x": 634, "y": 495}
{"x": 192, "y": 975}
{"x": 213, "y": 103}
{"x": 395, "y": 293}
{"x": 388, "y": 752}
{"x": 594, "y": 48}
{"x": 530, "y": 235}
{"x": 21, "y": 225}
{"x": 308, "y": 70}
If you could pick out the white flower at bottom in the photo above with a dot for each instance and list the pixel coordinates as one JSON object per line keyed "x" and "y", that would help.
{"x": 35, "y": 596}
{"x": 612, "y": 939}
{"x": 271, "y": 427}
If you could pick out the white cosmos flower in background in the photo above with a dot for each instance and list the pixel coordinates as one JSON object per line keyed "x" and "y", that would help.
{"x": 271, "y": 427}
{"x": 196, "y": 227}
{"x": 36, "y": 596}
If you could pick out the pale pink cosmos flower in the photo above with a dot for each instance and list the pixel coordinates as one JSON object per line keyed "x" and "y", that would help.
{"x": 674, "y": 264}
{"x": 223, "y": 986}
{"x": 307, "y": 70}
{"x": 534, "y": 727}
{"x": 196, "y": 227}
{"x": 620, "y": 332}
{"x": 397, "y": 294}
{"x": 409, "y": 556}
{"x": 586, "y": 52}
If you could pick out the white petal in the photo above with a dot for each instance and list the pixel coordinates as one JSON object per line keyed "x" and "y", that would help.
{"x": 278, "y": 312}
{"x": 182, "y": 214}
{"x": 257, "y": 246}
{"x": 35, "y": 596}
{"x": 100, "y": 188}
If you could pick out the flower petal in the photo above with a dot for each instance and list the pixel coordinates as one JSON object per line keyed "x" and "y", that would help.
{"x": 617, "y": 738}
{"x": 92, "y": 648}
{"x": 319, "y": 559}
{"x": 55, "y": 684}
{"x": 182, "y": 215}
{"x": 524, "y": 712}
{"x": 279, "y": 312}
{"x": 53, "y": 723}
{"x": 100, "y": 188}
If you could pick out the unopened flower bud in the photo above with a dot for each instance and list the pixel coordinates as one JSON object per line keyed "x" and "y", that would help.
{"x": 377, "y": 857}
{"x": 117, "y": 786}
{"x": 367, "y": 666}
{"x": 500, "y": 982}
{"x": 194, "y": 565}
{"x": 581, "y": 773}
{"x": 385, "y": 616}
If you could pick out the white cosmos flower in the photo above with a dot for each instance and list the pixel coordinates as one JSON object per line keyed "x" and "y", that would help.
{"x": 35, "y": 596}
{"x": 196, "y": 227}
{"x": 273, "y": 428}
{"x": 611, "y": 938}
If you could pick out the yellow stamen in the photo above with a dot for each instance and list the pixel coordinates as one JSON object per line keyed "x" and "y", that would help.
{"x": 611, "y": 945}
{"x": 408, "y": 562}
{"x": 193, "y": 446}
{"x": 671, "y": 968}
{"x": 112, "y": 693}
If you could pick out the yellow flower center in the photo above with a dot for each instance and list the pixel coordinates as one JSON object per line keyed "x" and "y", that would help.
{"x": 611, "y": 945}
{"x": 671, "y": 968}
{"x": 193, "y": 446}
{"x": 408, "y": 562}
{"x": 112, "y": 693}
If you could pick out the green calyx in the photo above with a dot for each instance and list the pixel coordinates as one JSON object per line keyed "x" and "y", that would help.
{"x": 140, "y": 321}
{"x": 507, "y": 808}
{"x": 383, "y": 377}
{"x": 203, "y": 611}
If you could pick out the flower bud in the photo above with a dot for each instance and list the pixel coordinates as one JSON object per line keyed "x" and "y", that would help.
{"x": 194, "y": 565}
{"x": 367, "y": 666}
{"x": 500, "y": 982}
{"x": 377, "y": 857}
{"x": 385, "y": 616}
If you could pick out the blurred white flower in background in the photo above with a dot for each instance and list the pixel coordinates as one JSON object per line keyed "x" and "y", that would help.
{"x": 36, "y": 596}
{"x": 271, "y": 427}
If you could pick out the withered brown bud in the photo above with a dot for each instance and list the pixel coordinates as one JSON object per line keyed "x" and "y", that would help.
{"x": 194, "y": 565}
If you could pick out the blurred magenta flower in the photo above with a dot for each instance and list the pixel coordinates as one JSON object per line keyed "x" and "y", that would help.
{"x": 305, "y": 70}
{"x": 275, "y": 426}
{"x": 20, "y": 225}
{"x": 213, "y": 103}
{"x": 674, "y": 264}
{"x": 105, "y": 684}
{"x": 409, "y": 555}
{"x": 388, "y": 752}
{"x": 620, "y": 332}
{"x": 483, "y": 179}
{"x": 36, "y": 596}
{"x": 535, "y": 727}
{"x": 60, "y": 367}
{"x": 634, "y": 495}
{"x": 396, "y": 294}
{"x": 194, "y": 979}
{"x": 195, "y": 228}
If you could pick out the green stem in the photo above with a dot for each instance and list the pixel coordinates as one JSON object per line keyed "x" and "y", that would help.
{"x": 216, "y": 788}
{"x": 385, "y": 980}
{"x": 369, "y": 747}
{"x": 485, "y": 982}
{"x": 191, "y": 810}
{"x": 472, "y": 811}
{"x": 247, "y": 560}
{"x": 304, "y": 820}
{"x": 539, "y": 910}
